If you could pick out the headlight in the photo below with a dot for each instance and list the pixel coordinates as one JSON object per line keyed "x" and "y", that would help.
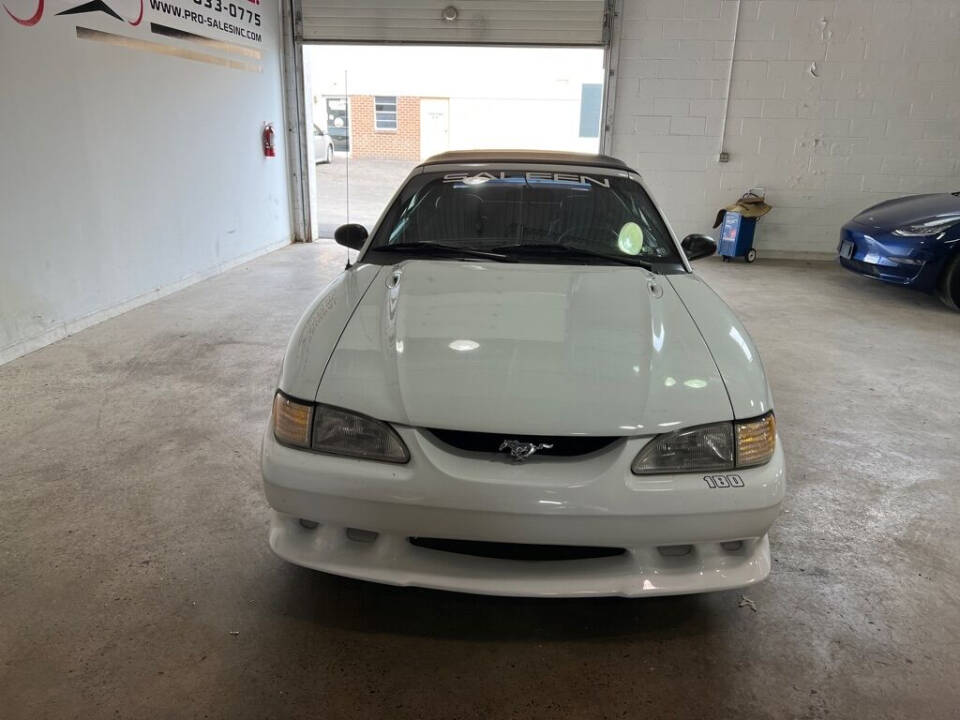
{"x": 704, "y": 448}
{"x": 709, "y": 448}
{"x": 328, "y": 429}
{"x": 931, "y": 227}
{"x": 345, "y": 433}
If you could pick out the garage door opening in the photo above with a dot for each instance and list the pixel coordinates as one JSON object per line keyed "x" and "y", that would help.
{"x": 378, "y": 110}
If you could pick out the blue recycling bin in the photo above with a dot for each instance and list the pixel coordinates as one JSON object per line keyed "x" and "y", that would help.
{"x": 736, "y": 237}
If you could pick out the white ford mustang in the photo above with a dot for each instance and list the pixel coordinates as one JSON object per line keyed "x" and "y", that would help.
{"x": 520, "y": 388}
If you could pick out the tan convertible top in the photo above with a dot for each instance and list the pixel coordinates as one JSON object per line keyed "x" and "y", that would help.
{"x": 539, "y": 157}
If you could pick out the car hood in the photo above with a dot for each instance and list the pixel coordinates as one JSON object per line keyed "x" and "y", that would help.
{"x": 525, "y": 349}
{"x": 896, "y": 213}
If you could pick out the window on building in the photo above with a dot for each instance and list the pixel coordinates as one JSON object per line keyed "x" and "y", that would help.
{"x": 591, "y": 99}
{"x": 385, "y": 112}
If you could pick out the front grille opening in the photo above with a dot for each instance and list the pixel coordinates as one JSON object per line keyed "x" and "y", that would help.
{"x": 516, "y": 551}
{"x": 563, "y": 445}
{"x": 866, "y": 268}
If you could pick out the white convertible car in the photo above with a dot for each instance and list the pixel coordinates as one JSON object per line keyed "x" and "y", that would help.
{"x": 521, "y": 388}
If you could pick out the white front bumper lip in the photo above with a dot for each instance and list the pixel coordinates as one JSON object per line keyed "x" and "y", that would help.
{"x": 592, "y": 500}
{"x": 392, "y": 560}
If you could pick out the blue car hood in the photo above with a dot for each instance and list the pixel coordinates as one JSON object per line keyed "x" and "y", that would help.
{"x": 896, "y": 213}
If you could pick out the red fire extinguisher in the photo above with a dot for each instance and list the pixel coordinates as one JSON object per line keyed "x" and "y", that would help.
{"x": 269, "y": 149}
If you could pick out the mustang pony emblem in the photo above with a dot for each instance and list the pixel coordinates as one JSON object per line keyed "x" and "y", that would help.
{"x": 520, "y": 451}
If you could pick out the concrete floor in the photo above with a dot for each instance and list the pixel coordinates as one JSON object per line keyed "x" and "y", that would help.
{"x": 135, "y": 579}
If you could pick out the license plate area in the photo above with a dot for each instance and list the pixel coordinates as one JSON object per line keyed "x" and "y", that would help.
{"x": 846, "y": 249}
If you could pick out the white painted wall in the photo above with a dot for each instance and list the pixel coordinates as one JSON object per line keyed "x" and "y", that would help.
{"x": 880, "y": 120}
{"x": 500, "y": 97}
{"x": 514, "y": 123}
{"x": 471, "y": 72}
{"x": 126, "y": 174}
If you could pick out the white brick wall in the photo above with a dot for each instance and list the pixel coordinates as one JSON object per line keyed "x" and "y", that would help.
{"x": 880, "y": 119}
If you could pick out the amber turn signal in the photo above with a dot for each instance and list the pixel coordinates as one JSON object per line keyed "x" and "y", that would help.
{"x": 756, "y": 440}
{"x": 292, "y": 421}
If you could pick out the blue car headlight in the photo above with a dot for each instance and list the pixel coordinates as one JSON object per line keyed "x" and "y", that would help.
{"x": 925, "y": 229}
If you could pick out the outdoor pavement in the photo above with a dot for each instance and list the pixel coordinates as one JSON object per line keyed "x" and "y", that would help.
{"x": 136, "y": 581}
{"x": 356, "y": 190}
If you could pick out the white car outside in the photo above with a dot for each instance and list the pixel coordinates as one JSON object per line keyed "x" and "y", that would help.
{"x": 521, "y": 388}
{"x": 322, "y": 146}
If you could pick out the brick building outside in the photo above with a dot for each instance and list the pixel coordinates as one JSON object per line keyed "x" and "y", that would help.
{"x": 408, "y": 103}
{"x": 401, "y": 142}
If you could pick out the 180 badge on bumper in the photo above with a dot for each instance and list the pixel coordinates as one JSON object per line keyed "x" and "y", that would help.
{"x": 723, "y": 481}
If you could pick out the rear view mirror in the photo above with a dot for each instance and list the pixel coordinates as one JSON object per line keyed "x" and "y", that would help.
{"x": 698, "y": 246}
{"x": 351, "y": 235}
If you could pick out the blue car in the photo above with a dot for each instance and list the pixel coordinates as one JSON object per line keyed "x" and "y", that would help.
{"x": 912, "y": 241}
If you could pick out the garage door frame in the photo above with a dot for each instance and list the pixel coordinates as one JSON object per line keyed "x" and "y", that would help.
{"x": 297, "y": 121}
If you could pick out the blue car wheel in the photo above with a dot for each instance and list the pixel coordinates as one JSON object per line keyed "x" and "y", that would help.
{"x": 948, "y": 287}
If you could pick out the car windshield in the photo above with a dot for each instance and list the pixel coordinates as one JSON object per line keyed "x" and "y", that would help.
{"x": 527, "y": 216}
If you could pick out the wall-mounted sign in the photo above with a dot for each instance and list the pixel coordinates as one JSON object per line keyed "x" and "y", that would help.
{"x": 199, "y": 30}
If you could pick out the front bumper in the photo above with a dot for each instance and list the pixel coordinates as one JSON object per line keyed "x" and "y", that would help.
{"x": 888, "y": 258}
{"x": 590, "y": 501}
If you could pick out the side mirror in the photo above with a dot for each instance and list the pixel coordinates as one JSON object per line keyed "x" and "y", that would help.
{"x": 351, "y": 235}
{"x": 698, "y": 246}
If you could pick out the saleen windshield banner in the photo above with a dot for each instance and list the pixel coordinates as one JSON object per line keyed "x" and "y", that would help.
{"x": 528, "y": 176}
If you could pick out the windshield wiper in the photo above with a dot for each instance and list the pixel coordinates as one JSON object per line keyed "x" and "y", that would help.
{"x": 445, "y": 250}
{"x": 547, "y": 249}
